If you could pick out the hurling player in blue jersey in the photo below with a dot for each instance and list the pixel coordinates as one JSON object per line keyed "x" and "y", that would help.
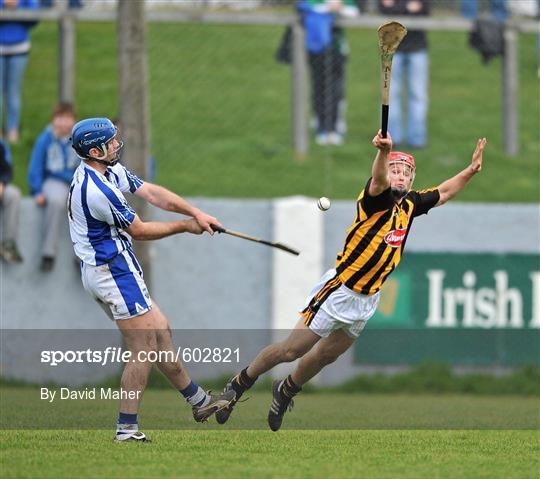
{"x": 102, "y": 225}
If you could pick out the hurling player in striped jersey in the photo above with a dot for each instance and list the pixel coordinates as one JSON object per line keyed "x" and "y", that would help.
{"x": 102, "y": 225}
{"x": 347, "y": 295}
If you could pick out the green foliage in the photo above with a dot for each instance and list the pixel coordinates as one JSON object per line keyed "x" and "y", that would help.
{"x": 425, "y": 378}
{"x": 439, "y": 378}
{"x": 220, "y": 112}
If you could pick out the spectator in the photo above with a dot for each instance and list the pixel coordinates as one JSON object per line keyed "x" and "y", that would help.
{"x": 411, "y": 63}
{"x": 498, "y": 10}
{"x": 10, "y": 200}
{"x": 49, "y": 176}
{"x": 14, "y": 50}
{"x": 327, "y": 52}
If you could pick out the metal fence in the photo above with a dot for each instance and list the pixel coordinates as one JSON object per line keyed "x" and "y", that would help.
{"x": 207, "y": 47}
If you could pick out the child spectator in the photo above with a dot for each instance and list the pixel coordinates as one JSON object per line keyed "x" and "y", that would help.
{"x": 49, "y": 176}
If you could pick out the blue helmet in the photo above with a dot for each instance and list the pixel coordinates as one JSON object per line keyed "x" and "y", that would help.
{"x": 93, "y": 133}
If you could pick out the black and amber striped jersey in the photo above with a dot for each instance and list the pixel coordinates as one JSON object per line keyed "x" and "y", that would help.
{"x": 375, "y": 241}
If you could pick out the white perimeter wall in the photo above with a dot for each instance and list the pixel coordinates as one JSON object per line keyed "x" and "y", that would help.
{"x": 204, "y": 283}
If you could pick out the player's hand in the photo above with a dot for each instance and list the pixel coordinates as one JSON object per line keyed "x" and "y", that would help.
{"x": 383, "y": 144}
{"x": 192, "y": 226}
{"x": 414, "y": 6}
{"x": 335, "y": 5}
{"x": 205, "y": 221}
{"x": 1, "y": 190}
{"x": 476, "y": 162}
{"x": 40, "y": 199}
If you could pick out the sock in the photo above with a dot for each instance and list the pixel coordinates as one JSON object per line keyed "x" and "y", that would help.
{"x": 242, "y": 382}
{"x": 195, "y": 395}
{"x": 126, "y": 425}
{"x": 288, "y": 388}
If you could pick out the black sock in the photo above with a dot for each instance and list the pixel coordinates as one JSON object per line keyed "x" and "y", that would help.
{"x": 242, "y": 382}
{"x": 289, "y": 388}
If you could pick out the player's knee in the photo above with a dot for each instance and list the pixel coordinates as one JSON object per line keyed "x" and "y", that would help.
{"x": 291, "y": 353}
{"x": 164, "y": 337}
{"x": 146, "y": 342}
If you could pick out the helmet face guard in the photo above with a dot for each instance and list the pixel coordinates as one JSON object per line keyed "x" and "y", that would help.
{"x": 95, "y": 133}
{"x": 403, "y": 159}
{"x": 406, "y": 160}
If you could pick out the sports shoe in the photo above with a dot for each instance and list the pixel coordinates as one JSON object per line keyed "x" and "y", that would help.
{"x": 217, "y": 403}
{"x": 47, "y": 264}
{"x": 10, "y": 253}
{"x": 279, "y": 406}
{"x": 334, "y": 138}
{"x": 136, "y": 436}
{"x": 222, "y": 416}
{"x": 321, "y": 139}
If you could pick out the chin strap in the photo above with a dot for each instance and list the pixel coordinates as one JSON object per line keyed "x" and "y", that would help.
{"x": 101, "y": 159}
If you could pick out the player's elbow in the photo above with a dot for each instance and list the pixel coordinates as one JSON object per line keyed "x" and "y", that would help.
{"x": 137, "y": 230}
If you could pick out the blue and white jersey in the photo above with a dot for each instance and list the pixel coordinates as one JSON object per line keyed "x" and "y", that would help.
{"x": 99, "y": 213}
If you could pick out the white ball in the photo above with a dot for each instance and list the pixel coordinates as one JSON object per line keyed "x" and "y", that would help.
{"x": 323, "y": 203}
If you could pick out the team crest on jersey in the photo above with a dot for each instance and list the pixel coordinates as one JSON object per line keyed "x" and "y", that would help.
{"x": 394, "y": 238}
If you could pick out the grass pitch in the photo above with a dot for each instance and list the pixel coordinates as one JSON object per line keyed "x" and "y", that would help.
{"x": 263, "y": 454}
{"x": 326, "y": 435}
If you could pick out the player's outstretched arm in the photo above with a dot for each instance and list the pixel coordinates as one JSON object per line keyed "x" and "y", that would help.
{"x": 380, "y": 179}
{"x": 152, "y": 230}
{"x": 169, "y": 201}
{"x": 452, "y": 186}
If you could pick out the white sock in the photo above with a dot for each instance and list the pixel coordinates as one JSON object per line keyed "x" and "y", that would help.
{"x": 200, "y": 398}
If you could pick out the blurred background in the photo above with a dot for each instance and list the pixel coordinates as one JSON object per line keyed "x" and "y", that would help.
{"x": 235, "y": 124}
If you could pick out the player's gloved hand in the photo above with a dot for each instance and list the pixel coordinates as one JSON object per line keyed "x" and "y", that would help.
{"x": 205, "y": 221}
{"x": 383, "y": 144}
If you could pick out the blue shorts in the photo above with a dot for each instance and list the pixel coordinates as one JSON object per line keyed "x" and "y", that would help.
{"x": 118, "y": 286}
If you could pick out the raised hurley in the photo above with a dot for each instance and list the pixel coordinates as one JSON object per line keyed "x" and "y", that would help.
{"x": 390, "y": 36}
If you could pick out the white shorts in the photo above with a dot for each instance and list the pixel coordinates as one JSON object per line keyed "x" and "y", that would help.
{"x": 331, "y": 306}
{"x": 118, "y": 286}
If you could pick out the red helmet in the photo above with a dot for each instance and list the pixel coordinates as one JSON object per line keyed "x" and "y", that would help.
{"x": 399, "y": 156}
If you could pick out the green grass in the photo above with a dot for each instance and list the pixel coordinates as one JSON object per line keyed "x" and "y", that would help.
{"x": 220, "y": 112}
{"x": 326, "y": 435}
{"x": 164, "y": 409}
{"x": 263, "y": 454}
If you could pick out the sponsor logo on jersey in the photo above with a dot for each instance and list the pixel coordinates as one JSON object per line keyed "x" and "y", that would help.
{"x": 394, "y": 238}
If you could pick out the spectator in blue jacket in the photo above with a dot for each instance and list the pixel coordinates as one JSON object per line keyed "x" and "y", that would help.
{"x": 497, "y": 9}
{"x": 10, "y": 201}
{"x": 49, "y": 176}
{"x": 71, "y": 3}
{"x": 327, "y": 52}
{"x": 14, "y": 50}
